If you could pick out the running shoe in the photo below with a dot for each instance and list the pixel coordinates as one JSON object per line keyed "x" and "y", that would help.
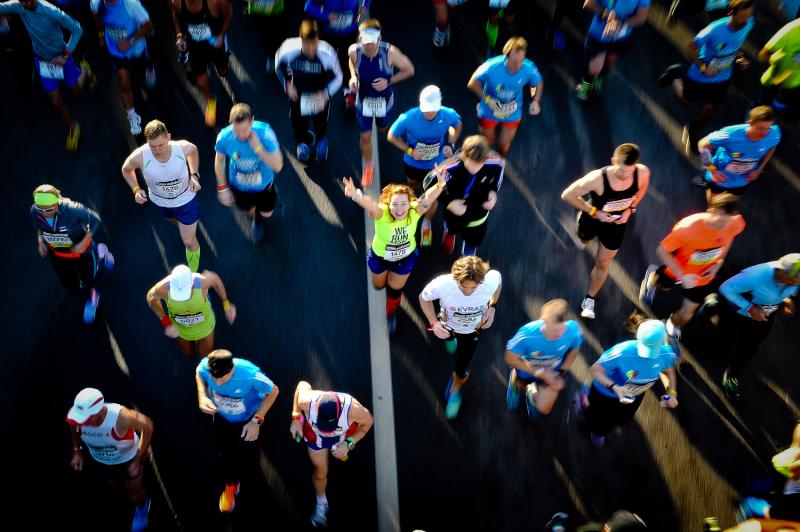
{"x": 647, "y": 290}
{"x": 675, "y": 343}
{"x": 557, "y": 523}
{"x": 559, "y": 40}
{"x": 597, "y": 86}
{"x": 73, "y": 137}
{"x": 597, "y": 441}
{"x": 211, "y": 112}
{"x": 227, "y": 501}
{"x": 90, "y": 308}
{"x": 670, "y": 74}
{"x": 105, "y": 257}
{"x": 257, "y": 227}
{"x": 183, "y": 57}
{"x": 530, "y": 402}
{"x": 303, "y": 152}
{"x": 449, "y": 243}
{"x": 453, "y": 405}
{"x": 135, "y": 122}
{"x": 751, "y": 507}
{"x": 320, "y": 516}
{"x": 732, "y": 386}
{"x": 583, "y": 91}
{"x": 450, "y": 345}
{"x": 391, "y": 322}
{"x": 140, "y": 516}
{"x": 91, "y": 79}
{"x": 366, "y": 176}
{"x": 512, "y": 392}
{"x": 439, "y": 38}
{"x": 150, "y": 76}
{"x": 322, "y": 149}
{"x": 427, "y": 233}
{"x": 587, "y": 308}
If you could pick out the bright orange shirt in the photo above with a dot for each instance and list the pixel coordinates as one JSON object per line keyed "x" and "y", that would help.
{"x": 697, "y": 247}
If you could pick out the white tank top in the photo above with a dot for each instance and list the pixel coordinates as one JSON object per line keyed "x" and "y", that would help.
{"x": 103, "y": 442}
{"x": 343, "y": 425}
{"x": 168, "y": 182}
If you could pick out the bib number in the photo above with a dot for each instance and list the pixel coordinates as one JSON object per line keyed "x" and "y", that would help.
{"x": 189, "y": 320}
{"x": 57, "y": 240}
{"x": 427, "y": 151}
{"x": 252, "y": 179}
{"x": 170, "y": 189}
{"x": 397, "y": 252}
{"x": 769, "y": 309}
{"x": 545, "y": 363}
{"x": 469, "y": 321}
{"x": 705, "y": 257}
{"x": 311, "y": 104}
{"x": 632, "y": 390}
{"x": 265, "y": 6}
{"x": 229, "y": 405}
{"x": 50, "y": 70}
{"x": 342, "y": 21}
{"x": 374, "y": 107}
{"x": 617, "y": 205}
{"x": 504, "y": 109}
{"x": 117, "y": 33}
{"x": 199, "y": 32}
{"x": 499, "y": 4}
{"x": 740, "y": 166}
{"x": 106, "y": 453}
{"x": 721, "y": 63}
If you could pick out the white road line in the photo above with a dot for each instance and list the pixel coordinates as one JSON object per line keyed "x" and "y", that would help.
{"x": 381, "y": 367}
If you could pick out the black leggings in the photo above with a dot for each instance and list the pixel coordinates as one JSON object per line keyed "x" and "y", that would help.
{"x": 605, "y": 413}
{"x": 466, "y": 345}
{"x": 301, "y": 125}
{"x": 232, "y": 449}
{"x": 77, "y": 275}
{"x": 744, "y": 336}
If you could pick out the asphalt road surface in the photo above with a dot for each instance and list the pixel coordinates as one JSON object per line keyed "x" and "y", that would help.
{"x": 302, "y": 301}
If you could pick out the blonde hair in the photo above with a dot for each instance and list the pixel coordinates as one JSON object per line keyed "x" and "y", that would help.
{"x": 49, "y": 189}
{"x": 475, "y": 148}
{"x": 515, "y": 43}
{"x": 154, "y": 129}
{"x": 557, "y": 308}
{"x": 240, "y": 112}
{"x": 470, "y": 268}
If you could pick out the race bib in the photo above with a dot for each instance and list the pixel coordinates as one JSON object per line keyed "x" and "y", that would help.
{"x": 57, "y": 240}
{"x": 397, "y": 252}
{"x": 50, "y": 70}
{"x": 229, "y": 405}
{"x": 189, "y": 320}
{"x": 264, "y": 5}
{"x": 117, "y": 33}
{"x": 621, "y": 31}
{"x": 630, "y": 389}
{"x": 342, "y": 21}
{"x": 769, "y": 309}
{"x": 545, "y": 363}
{"x": 723, "y": 62}
{"x": 311, "y": 104}
{"x": 170, "y": 189}
{"x": 470, "y": 321}
{"x": 504, "y": 109}
{"x": 373, "y": 107}
{"x": 741, "y": 166}
{"x": 704, "y": 257}
{"x": 427, "y": 151}
{"x": 712, "y": 5}
{"x": 252, "y": 179}
{"x": 499, "y": 4}
{"x": 617, "y": 205}
{"x": 106, "y": 453}
{"x": 200, "y": 32}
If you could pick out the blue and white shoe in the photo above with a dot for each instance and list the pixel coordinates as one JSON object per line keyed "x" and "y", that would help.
{"x": 751, "y": 507}
{"x": 322, "y": 149}
{"x": 512, "y": 392}
{"x": 105, "y": 257}
{"x": 647, "y": 291}
{"x": 674, "y": 339}
{"x": 90, "y": 309}
{"x": 303, "y": 152}
{"x": 141, "y": 516}
{"x": 391, "y": 323}
{"x": 453, "y": 405}
{"x": 530, "y": 402}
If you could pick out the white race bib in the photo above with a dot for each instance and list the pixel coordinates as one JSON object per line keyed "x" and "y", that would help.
{"x": 617, "y": 205}
{"x": 632, "y": 390}
{"x": 427, "y": 151}
{"x": 117, "y": 33}
{"x": 50, "y": 70}
{"x": 705, "y": 257}
{"x": 741, "y": 166}
{"x": 373, "y": 107}
{"x": 504, "y": 109}
{"x": 721, "y": 63}
{"x": 769, "y": 309}
{"x": 712, "y": 5}
{"x": 545, "y": 363}
{"x": 342, "y": 21}
{"x": 252, "y": 179}
{"x": 229, "y": 405}
{"x": 106, "y": 454}
{"x": 57, "y": 240}
{"x": 469, "y": 321}
{"x": 189, "y": 320}
{"x": 200, "y": 32}
{"x": 169, "y": 189}
{"x": 311, "y": 104}
{"x": 394, "y": 252}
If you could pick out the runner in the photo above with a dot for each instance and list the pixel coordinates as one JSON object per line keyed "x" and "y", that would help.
{"x": 735, "y": 156}
{"x": 309, "y": 72}
{"x": 607, "y": 39}
{"x": 118, "y": 439}
{"x": 780, "y": 83}
{"x": 329, "y": 423}
{"x": 52, "y": 57}
{"x": 189, "y": 317}
{"x": 237, "y": 395}
{"x": 170, "y": 169}
{"x": 499, "y": 83}
{"x": 754, "y": 296}
{"x": 201, "y": 30}
{"x": 474, "y": 177}
{"x": 254, "y": 157}
{"x": 393, "y": 252}
{"x": 468, "y": 298}
{"x": 372, "y": 66}
{"x": 615, "y": 192}
{"x": 540, "y": 356}
{"x": 65, "y": 231}
{"x": 426, "y": 134}
{"x": 712, "y": 53}
{"x": 497, "y": 10}
{"x": 123, "y": 26}
{"x": 270, "y": 21}
{"x": 692, "y": 254}
{"x": 622, "y": 375}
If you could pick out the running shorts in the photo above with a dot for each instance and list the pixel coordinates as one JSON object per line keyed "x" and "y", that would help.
{"x": 187, "y": 214}
{"x": 609, "y": 234}
{"x": 593, "y": 47}
{"x": 69, "y": 74}
{"x": 696, "y": 295}
{"x": 378, "y": 264}
{"x": 710, "y": 93}
{"x": 263, "y": 200}
{"x": 201, "y": 54}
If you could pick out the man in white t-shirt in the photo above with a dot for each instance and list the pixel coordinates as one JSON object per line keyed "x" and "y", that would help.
{"x": 467, "y": 299}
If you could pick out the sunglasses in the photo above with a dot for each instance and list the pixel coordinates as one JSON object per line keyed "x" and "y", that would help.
{"x": 53, "y": 207}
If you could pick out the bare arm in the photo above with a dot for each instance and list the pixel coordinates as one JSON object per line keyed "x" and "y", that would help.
{"x": 212, "y": 280}
{"x": 219, "y": 169}
{"x": 192, "y": 155}
{"x": 670, "y": 382}
{"x": 361, "y": 199}
{"x": 536, "y": 92}
{"x": 301, "y": 402}
{"x": 693, "y": 53}
{"x": 429, "y": 310}
{"x": 599, "y": 374}
{"x": 454, "y": 133}
{"x": 516, "y": 361}
{"x": 140, "y": 424}
{"x": 359, "y": 414}
{"x": 403, "y": 64}
{"x": 175, "y": 7}
{"x": 154, "y": 297}
{"x": 569, "y": 359}
{"x": 639, "y": 18}
{"x": 226, "y": 9}
{"x": 574, "y": 193}
{"x": 267, "y": 402}
{"x": 644, "y": 184}
{"x": 669, "y": 260}
{"x": 129, "y": 167}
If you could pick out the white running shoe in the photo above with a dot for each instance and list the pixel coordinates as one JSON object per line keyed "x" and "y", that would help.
{"x": 136, "y": 123}
{"x": 320, "y": 517}
{"x": 439, "y": 38}
{"x": 587, "y": 308}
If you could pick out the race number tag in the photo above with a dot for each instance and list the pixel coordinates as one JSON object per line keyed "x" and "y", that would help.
{"x": 397, "y": 252}
{"x": 200, "y": 32}
{"x": 470, "y": 321}
{"x": 189, "y": 320}
{"x": 342, "y": 21}
{"x": 57, "y": 240}
{"x": 545, "y": 363}
{"x": 453, "y": 3}
{"x": 705, "y": 256}
{"x": 106, "y": 453}
{"x": 311, "y": 104}
{"x": 169, "y": 189}
{"x": 50, "y": 70}
{"x": 499, "y": 4}
{"x": 741, "y": 166}
{"x": 617, "y": 205}
{"x": 252, "y": 179}
{"x": 630, "y": 389}
{"x": 117, "y": 33}
{"x": 504, "y": 109}
{"x": 374, "y": 107}
{"x": 229, "y": 405}
{"x": 769, "y": 309}
{"x": 427, "y": 151}
{"x": 723, "y": 62}
{"x": 712, "y": 5}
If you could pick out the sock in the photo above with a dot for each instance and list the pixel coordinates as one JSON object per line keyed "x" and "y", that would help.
{"x": 193, "y": 259}
{"x": 590, "y": 297}
{"x": 322, "y": 499}
{"x": 393, "y": 298}
{"x": 131, "y": 111}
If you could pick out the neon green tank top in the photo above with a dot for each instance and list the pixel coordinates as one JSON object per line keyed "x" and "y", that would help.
{"x": 194, "y": 317}
{"x": 265, "y": 7}
{"x": 394, "y": 239}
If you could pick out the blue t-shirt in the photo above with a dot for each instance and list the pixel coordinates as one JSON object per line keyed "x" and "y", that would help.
{"x": 623, "y": 9}
{"x": 759, "y": 283}
{"x": 239, "y": 398}
{"x": 717, "y": 46}
{"x": 246, "y": 171}
{"x": 430, "y": 135}
{"x": 505, "y": 88}
{"x": 745, "y": 154}
{"x": 635, "y": 374}
{"x": 531, "y": 344}
{"x": 122, "y": 19}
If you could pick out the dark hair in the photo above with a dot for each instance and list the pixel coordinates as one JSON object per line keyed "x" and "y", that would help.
{"x": 627, "y": 153}
{"x": 220, "y": 362}
{"x": 725, "y": 202}
{"x": 633, "y": 321}
{"x": 475, "y": 148}
{"x": 309, "y": 30}
{"x": 762, "y": 113}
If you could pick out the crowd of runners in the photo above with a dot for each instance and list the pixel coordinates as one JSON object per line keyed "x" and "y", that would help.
{"x": 459, "y": 177}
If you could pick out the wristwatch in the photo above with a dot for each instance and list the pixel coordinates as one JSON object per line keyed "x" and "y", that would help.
{"x": 351, "y": 443}
{"x": 257, "y": 420}
{"x": 194, "y": 174}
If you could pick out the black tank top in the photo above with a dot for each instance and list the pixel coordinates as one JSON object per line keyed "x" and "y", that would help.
{"x": 201, "y": 25}
{"x": 615, "y": 201}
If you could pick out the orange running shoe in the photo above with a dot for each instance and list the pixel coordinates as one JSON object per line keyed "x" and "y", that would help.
{"x": 366, "y": 176}
{"x": 211, "y": 112}
{"x": 227, "y": 500}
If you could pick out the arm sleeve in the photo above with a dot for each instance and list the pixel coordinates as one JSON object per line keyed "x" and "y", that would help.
{"x": 578, "y": 341}
{"x": 219, "y": 145}
{"x": 455, "y": 118}
{"x": 733, "y": 288}
{"x": 482, "y": 74}
{"x": 702, "y": 37}
{"x": 316, "y": 9}
{"x": 88, "y": 216}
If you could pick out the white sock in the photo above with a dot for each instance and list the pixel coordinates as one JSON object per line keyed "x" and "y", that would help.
{"x": 672, "y": 329}
{"x": 131, "y": 111}
{"x": 322, "y": 499}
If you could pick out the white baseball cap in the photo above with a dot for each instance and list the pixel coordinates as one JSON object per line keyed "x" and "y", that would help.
{"x": 790, "y": 264}
{"x": 88, "y": 402}
{"x": 650, "y": 336}
{"x": 370, "y": 36}
{"x": 430, "y": 99}
{"x": 180, "y": 283}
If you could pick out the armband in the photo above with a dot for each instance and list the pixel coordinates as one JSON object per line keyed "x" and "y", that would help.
{"x": 165, "y": 321}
